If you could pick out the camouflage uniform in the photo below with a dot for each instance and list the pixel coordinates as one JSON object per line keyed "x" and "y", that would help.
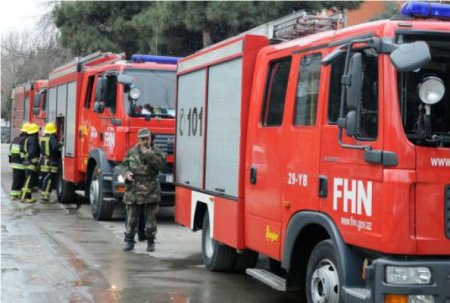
{"x": 144, "y": 193}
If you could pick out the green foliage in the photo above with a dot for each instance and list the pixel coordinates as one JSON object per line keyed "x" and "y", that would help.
{"x": 390, "y": 9}
{"x": 167, "y": 27}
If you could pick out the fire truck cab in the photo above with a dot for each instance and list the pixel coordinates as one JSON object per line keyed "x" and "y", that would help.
{"x": 329, "y": 154}
{"x": 99, "y": 103}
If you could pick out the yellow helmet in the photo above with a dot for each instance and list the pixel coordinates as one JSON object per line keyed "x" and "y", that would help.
{"x": 25, "y": 127}
{"x": 33, "y": 128}
{"x": 50, "y": 128}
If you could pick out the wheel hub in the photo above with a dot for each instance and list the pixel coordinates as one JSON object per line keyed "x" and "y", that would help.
{"x": 93, "y": 193}
{"x": 209, "y": 245}
{"x": 325, "y": 283}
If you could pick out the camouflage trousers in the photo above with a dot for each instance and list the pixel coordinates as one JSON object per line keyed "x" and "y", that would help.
{"x": 133, "y": 213}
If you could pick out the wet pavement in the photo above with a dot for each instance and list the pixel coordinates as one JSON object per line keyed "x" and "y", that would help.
{"x": 58, "y": 253}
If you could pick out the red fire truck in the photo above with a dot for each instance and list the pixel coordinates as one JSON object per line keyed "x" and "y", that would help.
{"x": 99, "y": 102}
{"x": 28, "y": 104}
{"x": 329, "y": 154}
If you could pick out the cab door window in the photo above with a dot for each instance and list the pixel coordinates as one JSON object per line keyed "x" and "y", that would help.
{"x": 307, "y": 93}
{"x": 367, "y": 111}
{"x": 275, "y": 92}
{"x": 106, "y": 91}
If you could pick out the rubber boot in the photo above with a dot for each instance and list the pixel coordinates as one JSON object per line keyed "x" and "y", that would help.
{"x": 129, "y": 242}
{"x": 151, "y": 245}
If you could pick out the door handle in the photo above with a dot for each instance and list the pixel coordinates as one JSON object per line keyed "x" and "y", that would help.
{"x": 323, "y": 186}
{"x": 253, "y": 175}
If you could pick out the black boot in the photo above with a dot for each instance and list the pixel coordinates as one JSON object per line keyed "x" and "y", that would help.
{"x": 129, "y": 242}
{"x": 150, "y": 245}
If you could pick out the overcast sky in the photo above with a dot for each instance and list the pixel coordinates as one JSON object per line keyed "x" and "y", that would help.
{"x": 19, "y": 15}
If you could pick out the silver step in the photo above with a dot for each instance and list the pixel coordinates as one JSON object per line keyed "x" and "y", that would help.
{"x": 358, "y": 292}
{"x": 80, "y": 192}
{"x": 274, "y": 281}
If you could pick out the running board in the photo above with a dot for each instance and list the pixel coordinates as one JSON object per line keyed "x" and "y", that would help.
{"x": 274, "y": 281}
{"x": 358, "y": 293}
{"x": 80, "y": 192}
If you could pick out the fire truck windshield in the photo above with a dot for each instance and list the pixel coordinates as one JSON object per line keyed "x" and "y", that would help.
{"x": 427, "y": 121}
{"x": 157, "y": 93}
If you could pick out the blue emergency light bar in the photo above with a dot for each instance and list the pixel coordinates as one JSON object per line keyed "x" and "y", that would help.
{"x": 153, "y": 58}
{"x": 426, "y": 9}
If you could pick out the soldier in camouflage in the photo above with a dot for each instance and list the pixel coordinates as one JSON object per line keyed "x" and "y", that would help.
{"x": 140, "y": 168}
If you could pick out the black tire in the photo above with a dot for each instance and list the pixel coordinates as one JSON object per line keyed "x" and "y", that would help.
{"x": 100, "y": 209}
{"x": 245, "y": 260}
{"x": 216, "y": 256}
{"x": 323, "y": 275}
{"x": 65, "y": 191}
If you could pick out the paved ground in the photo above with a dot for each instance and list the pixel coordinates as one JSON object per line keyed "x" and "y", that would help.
{"x": 58, "y": 253}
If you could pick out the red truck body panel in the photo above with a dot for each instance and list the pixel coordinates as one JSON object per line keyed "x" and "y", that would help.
{"x": 392, "y": 210}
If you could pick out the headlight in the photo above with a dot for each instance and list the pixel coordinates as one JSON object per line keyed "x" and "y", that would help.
{"x": 431, "y": 90}
{"x": 135, "y": 93}
{"x": 408, "y": 275}
{"x": 120, "y": 179}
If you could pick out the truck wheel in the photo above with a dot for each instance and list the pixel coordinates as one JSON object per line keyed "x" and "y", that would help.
{"x": 322, "y": 275}
{"x": 100, "y": 209}
{"x": 216, "y": 256}
{"x": 65, "y": 191}
{"x": 245, "y": 260}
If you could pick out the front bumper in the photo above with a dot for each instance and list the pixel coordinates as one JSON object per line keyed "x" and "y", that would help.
{"x": 439, "y": 287}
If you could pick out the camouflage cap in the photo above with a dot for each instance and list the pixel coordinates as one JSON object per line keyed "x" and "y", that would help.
{"x": 144, "y": 133}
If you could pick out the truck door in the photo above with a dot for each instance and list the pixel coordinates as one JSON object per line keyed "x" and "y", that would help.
{"x": 351, "y": 188}
{"x": 301, "y": 139}
{"x": 106, "y": 97}
{"x": 265, "y": 154}
{"x": 87, "y": 133}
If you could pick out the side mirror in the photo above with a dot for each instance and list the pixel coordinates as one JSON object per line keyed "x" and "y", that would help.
{"x": 99, "y": 107}
{"x": 354, "y": 90}
{"x": 349, "y": 123}
{"x": 125, "y": 79}
{"x": 410, "y": 56}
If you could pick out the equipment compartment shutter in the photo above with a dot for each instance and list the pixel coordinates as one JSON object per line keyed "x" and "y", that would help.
{"x": 69, "y": 140}
{"x": 61, "y": 100}
{"x": 51, "y": 114}
{"x": 223, "y": 125}
{"x": 190, "y": 128}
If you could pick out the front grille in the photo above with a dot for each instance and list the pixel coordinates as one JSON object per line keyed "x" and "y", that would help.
{"x": 165, "y": 142}
{"x": 447, "y": 210}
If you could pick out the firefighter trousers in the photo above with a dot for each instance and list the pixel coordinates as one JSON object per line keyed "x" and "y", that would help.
{"x": 49, "y": 173}
{"x": 27, "y": 189}
{"x": 17, "y": 182}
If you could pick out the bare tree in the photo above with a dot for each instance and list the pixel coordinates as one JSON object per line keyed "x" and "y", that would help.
{"x": 29, "y": 56}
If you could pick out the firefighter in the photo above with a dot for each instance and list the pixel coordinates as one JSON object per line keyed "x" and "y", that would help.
{"x": 16, "y": 161}
{"x": 32, "y": 151}
{"x": 141, "y": 166}
{"x": 50, "y": 156}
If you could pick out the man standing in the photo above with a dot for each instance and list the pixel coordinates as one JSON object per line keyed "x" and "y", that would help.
{"x": 31, "y": 149}
{"x": 50, "y": 157}
{"x": 141, "y": 166}
{"x": 16, "y": 161}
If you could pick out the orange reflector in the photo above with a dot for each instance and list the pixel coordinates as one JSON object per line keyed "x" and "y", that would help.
{"x": 396, "y": 299}
{"x": 121, "y": 188}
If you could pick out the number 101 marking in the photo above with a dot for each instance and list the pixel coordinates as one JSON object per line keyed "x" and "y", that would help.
{"x": 297, "y": 179}
{"x": 194, "y": 119}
